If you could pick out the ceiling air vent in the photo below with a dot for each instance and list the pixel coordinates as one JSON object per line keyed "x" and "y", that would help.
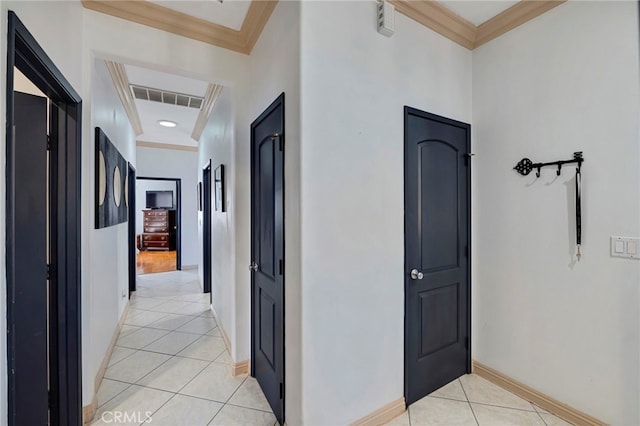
{"x": 165, "y": 97}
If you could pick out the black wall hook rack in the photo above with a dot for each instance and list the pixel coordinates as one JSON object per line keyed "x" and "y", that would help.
{"x": 525, "y": 166}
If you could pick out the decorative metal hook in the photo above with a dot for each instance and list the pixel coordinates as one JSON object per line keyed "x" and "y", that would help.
{"x": 525, "y": 166}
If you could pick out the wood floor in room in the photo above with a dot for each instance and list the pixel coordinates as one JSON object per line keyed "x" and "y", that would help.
{"x": 150, "y": 261}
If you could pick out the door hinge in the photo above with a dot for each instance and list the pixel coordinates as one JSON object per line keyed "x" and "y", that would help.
{"x": 281, "y": 390}
{"x": 49, "y": 398}
{"x": 281, "y": 266}
{"x": 49, "y": 142}
{"x": 49, "y": 271}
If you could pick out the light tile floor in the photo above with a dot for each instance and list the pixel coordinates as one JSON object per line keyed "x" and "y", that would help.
{"x": 170, "y": 368}
{"x": 474, "y": 401}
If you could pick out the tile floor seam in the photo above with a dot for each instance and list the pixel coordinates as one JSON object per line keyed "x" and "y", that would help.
{"x": 116, "y": 346}
{"x": 236, "y": 390}
{"x": 159, "y": 365}
{"x": 474, "y": 413}
{"x": 468, "y": 402}
{"x": 248, "y": 408}
{"x": 114, "y": 396}
{"x": 502, "y": 406}
{"x": 119, "y": 361}
{"x": 541, "y": 418}
{"x": 194, "y": 377}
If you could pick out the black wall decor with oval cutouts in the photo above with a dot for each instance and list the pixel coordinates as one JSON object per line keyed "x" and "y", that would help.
{"x": 111, "y": 183}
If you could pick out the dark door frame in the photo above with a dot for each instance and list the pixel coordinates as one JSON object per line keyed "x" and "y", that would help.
{"x": 206, "y": 229}
{"x": 24, "y": 53}
{"x": 178, "y": 182}
{"x": 132, "y": 227}
{"x": 279, "y": 102}
{"x": 413, "y": 111}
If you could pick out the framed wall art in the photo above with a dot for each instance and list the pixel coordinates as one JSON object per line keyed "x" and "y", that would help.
{"x": 111, "y": 183}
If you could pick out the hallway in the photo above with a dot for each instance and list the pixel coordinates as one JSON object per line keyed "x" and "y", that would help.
{"x": 170, "y": 365}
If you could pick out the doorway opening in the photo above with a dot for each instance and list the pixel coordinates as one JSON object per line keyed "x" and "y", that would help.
{"x": 158, "y": 220}
{"x": 43, "y": 141}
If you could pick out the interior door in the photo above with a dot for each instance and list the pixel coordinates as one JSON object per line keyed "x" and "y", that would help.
{"x": 437, "y": 262}
{"x": 267, "y": 254}
{"x": 28, "y": 333}
{"x": 206, "y": 229}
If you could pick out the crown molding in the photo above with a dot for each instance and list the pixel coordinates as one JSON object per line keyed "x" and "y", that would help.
{"x": 121, "y": 82}
{"x": 158, "y": 145}
{"x": 437, "y": 17}
{"x": 513, "y": 17}
{"x": 210, "y": 98}
{"x": 162, "y": 18}
{"x": 433, "y": 15}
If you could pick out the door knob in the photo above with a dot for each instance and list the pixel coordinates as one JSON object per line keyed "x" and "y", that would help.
{"x": 416, "y": 275}
{"x": 253, "y": 267}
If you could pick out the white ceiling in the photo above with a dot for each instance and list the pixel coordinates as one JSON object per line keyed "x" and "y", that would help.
{"x": 477, "y": 11}
{"x": 230, "y": 14}
{"x": 150, "y": 112}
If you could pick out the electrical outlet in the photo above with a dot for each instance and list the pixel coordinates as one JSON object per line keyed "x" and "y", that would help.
{"x": 627, "y": 247}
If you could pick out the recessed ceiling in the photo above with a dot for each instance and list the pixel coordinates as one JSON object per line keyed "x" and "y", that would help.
{"x": 151, "y": 112}
{"x": 230, "y": 14}
{"x": 477, "y": 11}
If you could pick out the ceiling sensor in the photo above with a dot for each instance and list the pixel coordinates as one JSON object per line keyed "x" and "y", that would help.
{"x": 167, "y": 123}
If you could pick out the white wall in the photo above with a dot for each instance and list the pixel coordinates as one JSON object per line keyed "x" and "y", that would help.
{"x": 155, "y": 162}
{"x": 355, "y": 83}
{"x": 216, "y": 145}
{"x": 275, "y": 68}
{"x": 566, "y": 81}
{"x": 109, "y": 262}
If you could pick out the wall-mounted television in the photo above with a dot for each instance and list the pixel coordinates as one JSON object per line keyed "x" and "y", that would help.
{"x": 159, "y": 199}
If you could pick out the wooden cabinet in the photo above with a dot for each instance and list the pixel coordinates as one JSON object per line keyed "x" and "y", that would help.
{"x": 159, "y": 229}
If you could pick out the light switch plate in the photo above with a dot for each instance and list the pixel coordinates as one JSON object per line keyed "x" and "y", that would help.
{"x": 626, "y": 247}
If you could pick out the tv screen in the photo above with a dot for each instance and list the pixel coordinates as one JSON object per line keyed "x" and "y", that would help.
{"x": 159, "y": 199}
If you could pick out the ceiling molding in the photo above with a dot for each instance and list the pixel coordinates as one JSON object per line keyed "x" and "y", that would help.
{"x": 157, "y": 145}
{"x": 213, "y": 91}
{"x": 454, "y": 27}
{"x": 162, "y": 18}
{"x": 513, "y": 17}
{"x": 121, "y": 82}
{"x": 257, "y": 17}
{"x": 433, "y": 15}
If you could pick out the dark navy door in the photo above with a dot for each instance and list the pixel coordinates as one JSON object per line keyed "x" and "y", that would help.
{"x": 267, "y": 254}
{"x": 206, "y": 230}
{"x": 437, "y": 263}
{"x": 28, "y": 333}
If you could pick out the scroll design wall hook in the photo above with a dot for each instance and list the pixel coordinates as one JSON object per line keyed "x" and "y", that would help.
{"x": 525, "y": 166}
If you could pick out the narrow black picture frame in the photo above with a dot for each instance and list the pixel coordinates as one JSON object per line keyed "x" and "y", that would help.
{"x": 220, "y": 195}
